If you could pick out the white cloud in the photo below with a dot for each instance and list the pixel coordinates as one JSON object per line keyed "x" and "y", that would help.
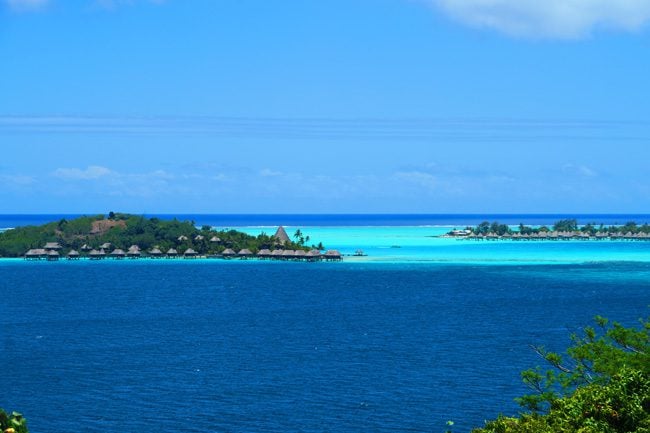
{"x": 26, "y": 5}
{"x": 91, "y": 172}
{"x": 564, "y": 19}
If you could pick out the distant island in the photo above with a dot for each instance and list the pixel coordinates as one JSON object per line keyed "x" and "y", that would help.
{"x": 562, "y": 230}
{"x": 122, "y": 236}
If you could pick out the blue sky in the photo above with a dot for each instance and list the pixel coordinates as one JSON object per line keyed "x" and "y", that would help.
{"x": 354, "y": 106}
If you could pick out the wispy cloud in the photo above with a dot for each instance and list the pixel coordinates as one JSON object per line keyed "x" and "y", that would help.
{"x": 563, "y": 19}
{"x": 580, "y": 170}
{"x": 89, "y": 173}
{"x": 26, "y": 5}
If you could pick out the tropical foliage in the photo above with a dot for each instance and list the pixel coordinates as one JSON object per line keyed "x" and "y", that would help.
{"x": 566, "y": 225}
{"x": 124, "y": 230}
{"x": 601, "y": 386}
{"x": 12, "y": 423}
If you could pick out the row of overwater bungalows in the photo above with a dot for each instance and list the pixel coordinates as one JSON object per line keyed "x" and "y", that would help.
{"x": 51, "y": 252}
{"x": 577, "y": 235}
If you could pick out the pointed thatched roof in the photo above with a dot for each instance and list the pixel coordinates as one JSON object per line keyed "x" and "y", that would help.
{"x": 86, "y": 247}
{"x": 105, "y": 246}
{"x": 134, "y": 248}
{"x": 245, "y": 252}
{"x": 73, "y": 253}
{"x": 281, "y": 235}
{"x": 37, "y": 252}
{"x": 215, "y": 239}
{"x": 199, "y": 237}
{"x": 300, "y": 253}
{"x": 314, "y": 253}
{"x": 288, "y": 253}
{"x": 276, "y": 253}
{"x": 117, "y": 253}
{"x": 264, "y": 252}
{"x": 155, "y": 252}
{"x": 190, "y": 252}
{"x": 182, "y": 238}
{"x": 172, "y": 252}
{"x": 228, "y": 252}
{"x": 332, "y": 255}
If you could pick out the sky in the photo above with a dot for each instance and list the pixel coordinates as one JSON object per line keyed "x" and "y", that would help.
{"x": 337, "y": 106}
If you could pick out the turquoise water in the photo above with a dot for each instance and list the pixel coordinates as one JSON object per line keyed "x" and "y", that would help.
{"x": 422, "y": 243}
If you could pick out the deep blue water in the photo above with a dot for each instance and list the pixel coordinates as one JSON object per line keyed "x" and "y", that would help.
{"x": 247, "y": 220}
{"x": 168, "y": 346}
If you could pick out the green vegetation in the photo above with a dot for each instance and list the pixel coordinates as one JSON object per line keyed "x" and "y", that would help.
{"x": 124, "y": 230}
{"x": 567, "y": 225}
{"x": 12, "y": 423}
{"x": 603, "y": 386}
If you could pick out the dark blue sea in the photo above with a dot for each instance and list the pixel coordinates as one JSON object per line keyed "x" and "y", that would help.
{"x": 338, "y": 220}
{"x": 214, "y": 346}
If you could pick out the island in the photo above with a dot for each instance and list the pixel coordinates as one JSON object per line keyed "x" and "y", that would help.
{"x": 125, "y": 236}
{"x": 566, "y": 229}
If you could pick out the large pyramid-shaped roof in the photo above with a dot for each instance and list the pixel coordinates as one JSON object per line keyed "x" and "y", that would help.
{"x": 281, "y": 235}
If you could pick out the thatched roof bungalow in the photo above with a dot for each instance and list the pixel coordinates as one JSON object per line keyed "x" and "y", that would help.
{"x": 332, "y": 255}
{"x": 182, "y": 238}
{"x": 199, "y": 237}
{"x": 313, "y": 255}
{"x": 53, "y": 255}
{"x": 155, "y": 253}
{"x": 190, "y": 253}
{"x": 134, "y": 253}
{"x": 227, "y": 253}
{"x": 52, "y": 246}
{"x": 73, "y": 255}
{"x": 105, "y": 246}
{"x": 215, "y": 239}
{"x": 300, "y": 254}
{"x": 288, "y": 254}
{"x": 276, "y": 254}
{"x": 35, "y": 254}
{"x": 245, "y": 253}
{"x": 172, "y": 252}
{"x": 264, "y": 253}
{"x": 118, "y": 254}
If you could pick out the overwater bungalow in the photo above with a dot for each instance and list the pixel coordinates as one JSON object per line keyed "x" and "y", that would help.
{"x": 332, "y": 255}
{"x": 300, "y": 254}
{"x": 172, "y": 253}
{"x": 228, "y": 253}
{"x": 190, "y": 253}
{"x": 35, "y": 254}
{"x": 215, "y": 239}
{"x": 118, "y": 254}
{"x": 313, "y": 255}
{"x": 276, "y": 254}
{"x": 155, "y": 253}
{"x": 53, "y": 255}
{"x": 288, "y": 254}
{"x": 95, "y": 255}
{"x": 134, "y": 252}
{"x": 73, "y": 255}
{"x": 244, "y": 253}
{"x": 264, "y": 253}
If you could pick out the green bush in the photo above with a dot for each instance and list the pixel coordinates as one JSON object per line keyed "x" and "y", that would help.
{"x": 13, "y": 421}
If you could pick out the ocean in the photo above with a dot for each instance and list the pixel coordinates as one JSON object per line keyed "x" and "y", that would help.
{"x": 410, "y": 337}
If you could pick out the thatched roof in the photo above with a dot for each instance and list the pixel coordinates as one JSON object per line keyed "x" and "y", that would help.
{"x": 300, "y": 253}
{"x": 264, "y": 252}
{"x": 134, "y": 253}
{"x": 288, "y": 253}
{"x": 190, "y": 252}
{"x": 199, "y": 237}
{"x": 134, "y": 248}
{"x": 281, "y": 235}
{"x": 215, "y": 239}
{"x": 117, "y": 252}
{"x": 86, "y": 247}
{"x": 52, "y": 254}
{"x": 52, "y": 246}
{"x": 73, "y": 253}
{"x": 276, "y": 253}
{"x": 182, "y": 238}
{"x": 37, "y": 252}
{"x": 95, "y": 253}
{"x": 228, "y": 252}
{"x": 314, "y": 253}
{"x": 155, "y": 252}
{"x": 245, "y": 252}
{"x": 332, "y": 253}
{"x": 105, "y": 246}
{"x": 172, "y": 252}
